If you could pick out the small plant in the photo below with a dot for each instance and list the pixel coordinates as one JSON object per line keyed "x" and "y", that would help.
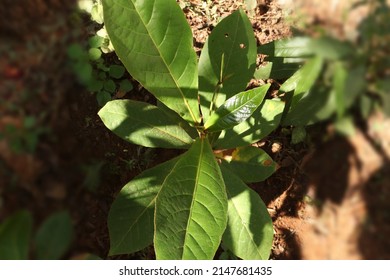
{"x": 188, "y": 205}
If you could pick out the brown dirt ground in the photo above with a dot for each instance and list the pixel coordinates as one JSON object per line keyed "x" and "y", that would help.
{"x": 328, "y": 200}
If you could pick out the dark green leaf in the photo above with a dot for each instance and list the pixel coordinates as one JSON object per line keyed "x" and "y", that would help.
{"x": 54, "y": 237}
{"x": 236, "y": 109}
{"x": 251, "y": 164}
{"x": 131, "y": 217}
{"x": 117, "y": 71}
{"x": 15, "y": 234}
{"x": 125, "y": 86}
{"x": 103, "y": 97}
{"x": 249, "y": 233}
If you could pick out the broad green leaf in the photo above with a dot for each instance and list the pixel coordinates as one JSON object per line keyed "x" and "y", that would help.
{"x": 191, "y": 207}
{"x": 131, "y": 217}
{"x": 249, "y": 233}
{"x": 304, "y": 78}
{"x": 236, "y": 109}
{"x": 315, "y": 105}
{"x": 324, "y": 47}
{"x": 227, "y": 61}
{"x": 15, "y": 234}
{"x": 262, "y": 122}
{"x": 191, "y": 131}
{"x": 294, "y": 47}
{"x": 154, "y": 42}
{"x": 54, "y": 237}
{"x": 143, "y": 124}
{"x": 251, "y": 164}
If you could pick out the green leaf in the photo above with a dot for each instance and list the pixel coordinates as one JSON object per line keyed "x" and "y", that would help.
{"x": 304, "y": 78}
{"x": 117, "y": 71}
{"x": 262, "y": 122}
{"x": 251, "y": 164}
{"x": 103, "y": 97}
{"x": 95, "y": 41}
{"x": 109, "y": 86}
{"x": 227, "y": 61}
{"x": 324, "y": 47}
{"x": 131, "y": 217}
{"x": 125, "y": 86}
{"x": 15, "y": 234}
{"x": 339, "y": 86}
{"x": 154, "y": 42}
{"x": 143, "y": 124}
{"x": 94, "y": 54}
{"x": 191, "y": 207}
{"x": 298, "y": 134}
{"x": 315, "y": 105}
{"x": 249, "y": 233}
{"x": 191, "y": 131}
{"x": 54, "y": 237}
{"x": 276, "y": 68}
{"x": 236, "y": 109}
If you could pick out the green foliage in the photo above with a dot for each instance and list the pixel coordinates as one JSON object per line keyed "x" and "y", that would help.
{"x": 188, "y": 205}
{"x": 50, "y": 241}
{"x": 338, "y": 78}
{"x": 105, "y": 80}
{"x": 53, "y": 238}
{"x": 15, "y": 234}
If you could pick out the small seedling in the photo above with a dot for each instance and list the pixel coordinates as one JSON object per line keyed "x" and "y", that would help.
{"x": 188, "y": 205}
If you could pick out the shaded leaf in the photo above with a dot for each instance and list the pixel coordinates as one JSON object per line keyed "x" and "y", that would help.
{"x": 236, "y": 109}
{"x": 117, "y": 71}
{"x": 15, "y": 234}
{"x": 143, "y": 124}
{"x": 262, "y": 122}
{"x": 131, "y": 217}
{"x": 54, "y": 237}
{"x": 191, "y": 207}
{"x": 227, "y": 61}
{"x": 154, "y": 42}
{"x": 251, "y": 164}
{"x": 249, "y": 233}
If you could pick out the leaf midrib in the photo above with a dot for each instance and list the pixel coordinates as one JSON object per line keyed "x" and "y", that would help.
{"x": 162, "y": 58}
{"x": 245, "y": 227}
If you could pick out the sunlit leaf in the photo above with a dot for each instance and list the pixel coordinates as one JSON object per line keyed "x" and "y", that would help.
{"x": 249, "y": 233}
{"x": 236, "y": 109}
{"x": 262, "y": 122}
{"x": 154, "y": 42}
{"x": 251, "y": 164}
{"x": 227, "y": 61}
{"x": 191, "y": 207}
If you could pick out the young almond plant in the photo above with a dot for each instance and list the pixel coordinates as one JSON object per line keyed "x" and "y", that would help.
{"x": 188, "y": 205}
